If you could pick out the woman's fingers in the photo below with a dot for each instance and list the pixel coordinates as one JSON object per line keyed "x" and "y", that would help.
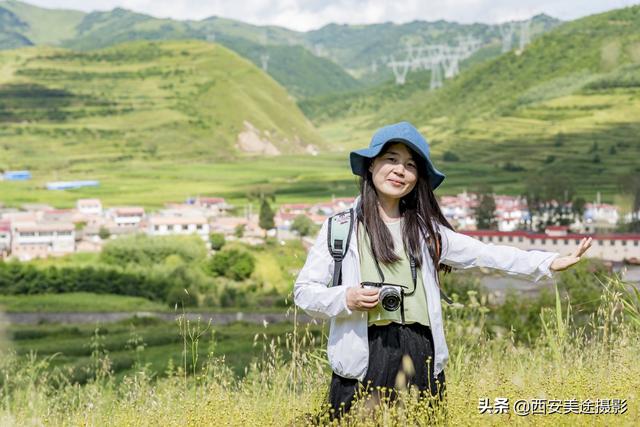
{"x": 368, "y": 304}
{"x": 369, "y": 300}
{"x": 584, "y": 245}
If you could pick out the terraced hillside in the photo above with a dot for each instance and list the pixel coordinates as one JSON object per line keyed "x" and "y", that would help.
{"x": 64, "y": 111}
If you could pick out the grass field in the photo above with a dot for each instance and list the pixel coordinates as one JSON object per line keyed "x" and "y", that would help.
{"x": 145, "y": 341}
{"x": 287, "y": 384}
{"x": 151, "y": 184}
{"x": 76, "y": 302}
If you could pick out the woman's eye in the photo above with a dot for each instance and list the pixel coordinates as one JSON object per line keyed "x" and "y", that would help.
{"x": 411, "y": 165}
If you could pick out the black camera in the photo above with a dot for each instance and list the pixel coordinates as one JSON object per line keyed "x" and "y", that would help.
{"x": 390, "y": 296}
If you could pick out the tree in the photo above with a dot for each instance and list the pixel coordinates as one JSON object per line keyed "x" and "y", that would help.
{"x": 232, "y": 263}
{"x": 485, "y": 211}
{"x": 217, "y": 241}
{"x": 302, "y": 225}
{"x": 630, "y": 184}
{"x": 577, "y": 207}
{"x": 547, "y": 197}
{"x": 104, "y": 233}
{"x": 266, "y": 221}
{"x": 238, "y": 231}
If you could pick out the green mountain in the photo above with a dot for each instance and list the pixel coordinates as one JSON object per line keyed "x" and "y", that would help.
{"x": 332, "y": 59}
{"x": 42, "y": 26}
{"x": 11, "y": 30}
{"x": 580, "y": 57}
{"x": 302, "y": 73}
{"x": 357, "y": 47}
{"x": 152, "y": 101}
{"x": 566, "y": 108}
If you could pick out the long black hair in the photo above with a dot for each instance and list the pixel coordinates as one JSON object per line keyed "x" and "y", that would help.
{"x": 419, "y": 209}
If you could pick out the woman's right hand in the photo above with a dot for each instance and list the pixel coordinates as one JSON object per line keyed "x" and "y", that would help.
{"x": 362, "y": 299}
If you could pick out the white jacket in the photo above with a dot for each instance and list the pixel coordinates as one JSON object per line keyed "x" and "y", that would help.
{"x": 348, "y": 346}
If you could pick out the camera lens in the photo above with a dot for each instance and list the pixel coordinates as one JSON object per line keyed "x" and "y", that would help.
{"x": 390, "y": 298}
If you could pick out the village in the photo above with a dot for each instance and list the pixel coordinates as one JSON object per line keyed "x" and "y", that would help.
{"x": 39, "y": 231}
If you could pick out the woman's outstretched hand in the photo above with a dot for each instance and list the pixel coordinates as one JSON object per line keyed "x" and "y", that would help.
{"x": 362, "y": 299}
{"x": 564, "y": 262}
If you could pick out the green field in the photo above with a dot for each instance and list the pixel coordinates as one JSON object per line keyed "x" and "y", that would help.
{"x": 152, "y": 184}
{"x": 76, "y": 302}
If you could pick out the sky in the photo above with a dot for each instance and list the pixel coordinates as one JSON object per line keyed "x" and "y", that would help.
{"x": 305, "y": 15}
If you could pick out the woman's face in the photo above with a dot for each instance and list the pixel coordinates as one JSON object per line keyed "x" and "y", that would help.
{"x": 394, "y": 172}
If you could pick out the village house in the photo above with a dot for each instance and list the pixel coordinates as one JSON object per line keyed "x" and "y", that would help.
{"x": 610, "y": 247}
{"x": 163, "y": 225}
{"x": 227, "y": 226}
{"x": 20, "y": 216}
{"x": 31, "y": 240}
{"x": 600, "y": 216}
{"x": 288, "y": 212}
{"x": 5, "y": 239}
{"x": 324, "y": 208}
{"x": 126, "y": 216}
{"x": 213, "y": 206}
{"x": 295, "y": 208}
{"x": 511, "y": 212}
{"x": 57, "y": 215}
{"x": 459, "y": 210}
{"x": 89, "y": 206}
{"x": 341, "y": 203}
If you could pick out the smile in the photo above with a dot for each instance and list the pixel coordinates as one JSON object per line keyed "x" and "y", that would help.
{"x": 395, "y": 183}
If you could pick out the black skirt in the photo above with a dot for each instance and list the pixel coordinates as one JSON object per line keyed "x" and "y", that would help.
{"x": 387, "y": 346}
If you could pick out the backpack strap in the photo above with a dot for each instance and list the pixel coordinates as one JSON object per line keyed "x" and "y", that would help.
{"x": 443, "y": 295}
{"x": 338, "y": 238}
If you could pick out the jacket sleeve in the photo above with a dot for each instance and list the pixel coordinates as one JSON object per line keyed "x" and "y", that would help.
{"x": 462, "y": 251}
{"x": 310, "y": 291}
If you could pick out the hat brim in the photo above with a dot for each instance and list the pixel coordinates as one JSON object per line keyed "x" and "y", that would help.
{"x": 358, "y": 162}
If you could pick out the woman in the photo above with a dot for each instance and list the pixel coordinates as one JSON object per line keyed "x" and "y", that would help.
{"x": 396, "y": 216}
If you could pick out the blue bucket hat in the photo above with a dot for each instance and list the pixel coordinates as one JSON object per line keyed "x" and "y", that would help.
{"x": 399, "y": 132}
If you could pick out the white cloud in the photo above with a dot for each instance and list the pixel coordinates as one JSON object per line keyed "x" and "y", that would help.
{"x": 304, "y": 15}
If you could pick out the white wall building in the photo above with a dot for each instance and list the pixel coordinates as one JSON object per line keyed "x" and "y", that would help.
{"x": 460, "y": 210}
{"x": 607, "y": 246}
{"x": 511, "y": 212}
{"x": 40, "y": 240}
{"x": 89, "y": 206}
{"x": 5, "y": 238}
{"x": 163, "y": 225}
{"x": 600, "y": 215}
{"x": 127, "y": 216}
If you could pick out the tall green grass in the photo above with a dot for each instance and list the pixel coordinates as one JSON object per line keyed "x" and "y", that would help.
{"x": 288, "y": 385}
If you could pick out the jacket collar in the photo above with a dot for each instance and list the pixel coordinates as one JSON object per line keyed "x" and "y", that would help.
{"x": 353, "y": 243}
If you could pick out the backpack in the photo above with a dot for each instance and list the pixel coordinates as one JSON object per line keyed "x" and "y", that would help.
{"x": 338, "y": 238}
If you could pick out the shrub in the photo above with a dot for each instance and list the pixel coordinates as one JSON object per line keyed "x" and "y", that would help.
{"x": 232, "y": 263}
{"x": 217, "y": 241}
{"x": 145, "y": 250}
{"x": 302, "y": 225}
{"x": 182, "y": 297}
{"x": 238, "y": 231}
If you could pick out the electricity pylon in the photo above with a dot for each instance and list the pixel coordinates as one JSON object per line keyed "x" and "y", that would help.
{"x": 265, "y": 61}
